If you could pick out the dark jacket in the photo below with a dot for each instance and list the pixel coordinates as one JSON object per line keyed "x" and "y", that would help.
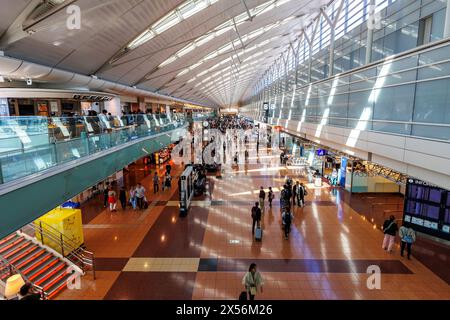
{"x": 262, "y": 194}
{"x": 256, "y": 213}
{"x": 392, "y": 230}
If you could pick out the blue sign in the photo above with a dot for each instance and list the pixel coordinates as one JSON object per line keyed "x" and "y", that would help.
{"x": 342, "y": 172}
{"x": 322, "y": 152}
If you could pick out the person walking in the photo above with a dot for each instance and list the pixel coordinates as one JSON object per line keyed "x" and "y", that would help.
{"x": 140, "y": 195}
{"x": 105, "y": 194}
{"x": 390, "y": 228}
{"x": 155, "y": 182}
{"x": 112, "y": 199}
{"x": 262, "y": 198}
{"x": 168, "y": 180}
{"x": 133, "y": 197}
{"x": 123, "y": 198}
{"x": 286, "y": 219}
{"x": 253, "y": 281}
{"x": 295, "y": 190}
{"x": 301, "y": 193}
{"x": 271, "y": 196}
{"x": 407, "y": 237}
{"x": 256, "y": 216}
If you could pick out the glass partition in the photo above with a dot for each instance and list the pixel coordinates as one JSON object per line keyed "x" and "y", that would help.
{"x": 31, "y": 144}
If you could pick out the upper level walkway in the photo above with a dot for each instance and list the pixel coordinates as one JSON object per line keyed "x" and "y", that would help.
{"x": 46, "y": 161}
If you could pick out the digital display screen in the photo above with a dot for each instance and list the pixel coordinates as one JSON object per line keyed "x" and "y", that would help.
{"x": 425, "y": 193}
{"x": 322, "y": 152}
{"x": 422, "y": 209}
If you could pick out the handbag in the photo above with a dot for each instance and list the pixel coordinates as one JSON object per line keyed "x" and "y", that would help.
{"x": 253, "y": 287}
{"x": 407, "y": 239}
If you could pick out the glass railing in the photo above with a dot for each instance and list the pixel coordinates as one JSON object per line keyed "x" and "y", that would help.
{"x": 29, "y": 145}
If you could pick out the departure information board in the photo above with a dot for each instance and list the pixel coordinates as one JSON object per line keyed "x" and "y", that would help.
{"x": 427, "y": 208}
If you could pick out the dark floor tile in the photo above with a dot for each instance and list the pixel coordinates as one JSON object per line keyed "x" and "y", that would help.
{"x": 110, "y": 264}
{"x": 208, "y": 264}
{"x": 179, "y": 237}
{"x": 313, "y": 265}
{"x": 152, "y": 286}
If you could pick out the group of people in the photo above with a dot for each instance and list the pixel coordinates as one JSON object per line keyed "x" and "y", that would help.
{"x": 291, "y": 195}
{"x": 407, "y": 236}
{"x": 166, "y": 182}
{"x": 136, "y": 194}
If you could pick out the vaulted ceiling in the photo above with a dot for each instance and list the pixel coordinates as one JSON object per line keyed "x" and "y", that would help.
{"x": 205, "y": 51}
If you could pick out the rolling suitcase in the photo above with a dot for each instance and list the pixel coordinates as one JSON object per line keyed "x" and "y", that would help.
{"x": 258, "y": 234}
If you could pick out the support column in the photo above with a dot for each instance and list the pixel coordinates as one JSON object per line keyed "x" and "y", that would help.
{"x": 447, "y": 21}
{"x": 370, "y": 28}
{"x": 113, "y": 106}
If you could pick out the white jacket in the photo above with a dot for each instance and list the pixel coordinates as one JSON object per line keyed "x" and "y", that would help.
{"x": 250, "y": 280}
{"x": 404, "y": 231}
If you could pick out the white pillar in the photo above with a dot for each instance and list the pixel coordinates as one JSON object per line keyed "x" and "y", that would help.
{"x": 447, "y": 21}
{"x": 369, "y": 39}
{"x": 113, "y": 106}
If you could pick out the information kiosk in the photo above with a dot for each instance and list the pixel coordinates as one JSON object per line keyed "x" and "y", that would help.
{"x": 186, "y": 189}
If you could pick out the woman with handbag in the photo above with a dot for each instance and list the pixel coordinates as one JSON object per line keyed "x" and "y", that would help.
{"x": 408, "y": 237}
{"x": 252, "y": 281}
{"x": 390, "y": 228}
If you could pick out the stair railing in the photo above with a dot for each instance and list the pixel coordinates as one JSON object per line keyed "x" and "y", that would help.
{"x": 78, "y": 255}
{"x": 6, "y": 268}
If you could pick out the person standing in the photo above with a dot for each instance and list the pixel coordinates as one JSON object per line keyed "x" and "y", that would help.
{"x": 390, "y": 228}
{"x": 155, "y": 182}
{"x": 262, "y": 198}
{"x": 123, "y": 198}
{"x": 112, "y": 200}
{"x": 140, "y": 195}
{"x": 271, "y": 196}
{"x": 407, "y": 237}
{"x": 287, "y": 218}
{"x": 256, "y": 216}
{"x": 253, "y": 281}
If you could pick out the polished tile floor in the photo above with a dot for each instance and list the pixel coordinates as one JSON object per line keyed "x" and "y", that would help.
{"x": 155, "y": 254}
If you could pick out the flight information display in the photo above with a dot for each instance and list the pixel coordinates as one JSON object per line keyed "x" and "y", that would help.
{"x": 427, "y": 208}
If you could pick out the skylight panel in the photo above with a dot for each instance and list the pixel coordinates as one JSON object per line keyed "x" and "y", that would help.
{"x": 184, "y": 11}
{"x": 168, "y": 61}
{"x": 141, "y": 39}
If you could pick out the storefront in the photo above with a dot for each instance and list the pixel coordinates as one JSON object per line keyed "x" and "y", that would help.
{"x": 46, "y": 103}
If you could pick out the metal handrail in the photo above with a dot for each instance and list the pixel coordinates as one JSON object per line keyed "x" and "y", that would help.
{"x": 6, "y": 265}
{"x": 76, "y": 254}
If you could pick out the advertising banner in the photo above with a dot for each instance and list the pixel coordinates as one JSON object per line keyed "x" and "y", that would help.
{"x": 343, "y": 171}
